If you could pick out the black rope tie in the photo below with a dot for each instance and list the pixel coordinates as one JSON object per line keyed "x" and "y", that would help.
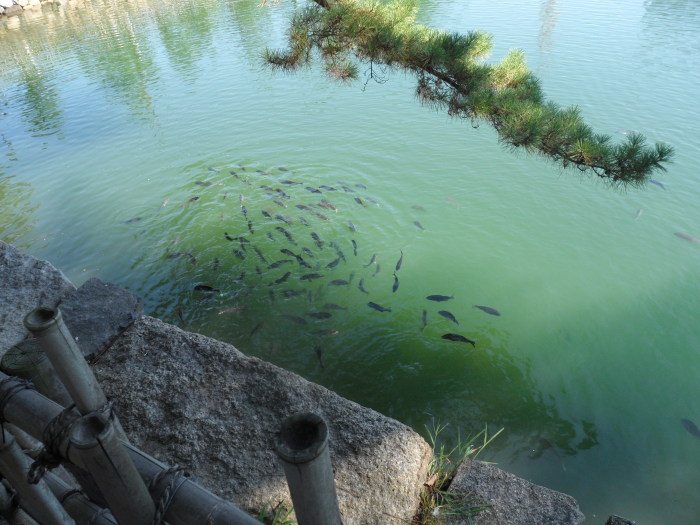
{"x": 178, "y": 476}
{"x": 55, "y": 433}
{"x": 8, "y": 392}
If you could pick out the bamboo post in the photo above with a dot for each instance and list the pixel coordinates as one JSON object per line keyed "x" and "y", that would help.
{"x": 191, "y": 504}
{"x": 37, "y": 500}
{"x": 47, "y": 326}
{"x": 303, "y": 451}
{"x": 96, "y": 443}
{"x": 77, "y": 504}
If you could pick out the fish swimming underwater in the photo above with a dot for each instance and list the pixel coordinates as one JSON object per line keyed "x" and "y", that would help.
{"x": 440, "y": 298}
{"x": 448, "y": 315}
{"x": 487, "y": 309}
{"x": 459, "y": 338}
{"x": 691, "y": 427}
{"x": 378, "y": 308}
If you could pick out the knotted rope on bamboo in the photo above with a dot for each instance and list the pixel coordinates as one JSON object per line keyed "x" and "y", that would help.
{"x": 178, "y": 476}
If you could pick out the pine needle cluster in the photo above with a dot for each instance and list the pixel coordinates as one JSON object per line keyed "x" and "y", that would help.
{"x": 452, "y": 74}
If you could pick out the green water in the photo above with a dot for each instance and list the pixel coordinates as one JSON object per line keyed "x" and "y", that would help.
{"x": 114, "y": 115}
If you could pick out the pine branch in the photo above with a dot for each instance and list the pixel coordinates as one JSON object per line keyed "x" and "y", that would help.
{"x": 452, "y": 75}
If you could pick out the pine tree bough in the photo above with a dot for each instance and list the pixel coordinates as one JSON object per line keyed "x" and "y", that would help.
{"x": 452, "y": 74}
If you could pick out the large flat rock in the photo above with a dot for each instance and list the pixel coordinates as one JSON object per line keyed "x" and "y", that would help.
{"x": 200, "y": 403}
{"x": 25, "y": 283}
{"x": 510, "y": 500}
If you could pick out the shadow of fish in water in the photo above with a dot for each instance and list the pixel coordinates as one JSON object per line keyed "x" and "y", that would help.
{"x": 691, "y": 427}
{"x": 418, "y": 225}
{"x": 206, "y": 289}
{"x": 440, "y": 298}
{"x": 659, "y": 184}
{"x": 135, "y": 219}
{"x": 686, "y": 237}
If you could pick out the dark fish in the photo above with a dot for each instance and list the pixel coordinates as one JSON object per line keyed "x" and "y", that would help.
{"x": 310, "y": 276}
{"x": 354, "y": 247}
{"x": 348, "y": 190}
{"x": 328, "y": 188}
{"x": 691, "y": 427}
{"x": 266, "y": 214}
{"x": 371, "y": 261}
{"x": 424, "y": 320}
{"x": 378, "y": 308}
{"x": 376, "y": 271}
{"x": 333, "y": 306}
{"x": 302, "y": 262}
{"x": 396, "y": 282}
{"x": 181, "y": 314}
{"x": 351, "y": 277}
{"x": 321, "y": 215}
{"x": 303, "y": 207}
{"x": 260, "y": 254}
{"x": 292, "y": 293}
{"x": 270, "y": 236}
{"x": 239, "y": 254}
{"x": 282, "y": 168}
{"x": 418, "y": 225}
{"x": 135, "y": 219}
{"x": 459, "y": 339}
{"x": 361, "y": 186}
{"x": 304, "y": 221}
{"x": 327, "y": 331}
{"x": 192, "y": 200}
{"x": 215, "y": 264}
{"x": 203, "y": 183}
{"x": 319, "y": 354}
{"x": 282, "y": 194}
{"x": 360, "y": 202}
{"x": 333, "y": 263}
{"x": 439, "y": 298}
{"x": 338, "y": 282}
{"x": 288, "y": 252}
{"x": 193, "y": 259}
{"x": 352, "y": 226}
{"x": 212, "y": 169}
{"x": 295, "y": 318}
{"x": 228, "y": 237}
{"x": 258, "y": 270}
{"x": 175, "y": 255}
{"x": 256, "y": 328}
{"x": 307, "y": 251}
{"x": 448, "y": 315}
{"x": 250, "y": 227}
{"x": 243, "y": 241}
{"x": 266, "y": 187}
{"x": 206, "y": 288}
{"x": 245, "y": 212}
{"x": 313, "y": 190}
{"x": 686, "y": 237}
{"x": 276, "y": 264}
{"x": 325, "y": 204}
{"x": 283, "y": 219}
{"x": 659, "y": 184}
{"x": 340, "y": 254}
{"x": 487, "y": 309}
{"x": 279, "y": 203}
{"x": 289, "y": 182}
{"x": 319, "y": 315}
{"x": 418, "y": 207}
{"x": 240, "y": 277}
{"x": 286, "y": 234}
{"x": 317, "y": 240}
{"x": 281, "y": 279}
{"x": 361, "y": 286}
{"x": 233, "y": 173}
{"x": 399, "y": 262}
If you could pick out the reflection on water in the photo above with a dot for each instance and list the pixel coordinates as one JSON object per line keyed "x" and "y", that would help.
{"x": 145, "y": 144}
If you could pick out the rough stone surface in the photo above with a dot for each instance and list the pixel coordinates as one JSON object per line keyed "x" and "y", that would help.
{"x": 200, "y": 403}
{"x": 97, "y": 312}
{"x": 25, "y": 283}
{"x": 511, "y": 500}
{"x": 617, "y": 520}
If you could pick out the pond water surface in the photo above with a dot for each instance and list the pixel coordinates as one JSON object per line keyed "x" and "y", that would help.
{"x": 146, "y": 144}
